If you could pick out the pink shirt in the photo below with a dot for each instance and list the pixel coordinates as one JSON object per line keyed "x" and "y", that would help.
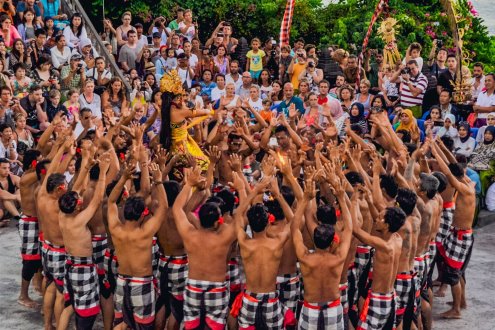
{"x": 13, "y": 34}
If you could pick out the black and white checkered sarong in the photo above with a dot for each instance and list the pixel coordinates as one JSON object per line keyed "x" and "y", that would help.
{"x": 404, "y": 283}
{"x": 289, "y": 290}
{"x": 138, "y": 293}
{"x": 29, "y": 233}
{"x": 54, "y": 264}
{"x": 445, "y": 221}
{"x": 329, "y": 315}
{"x": 261, "y": 308}
{"x": 81, "y": 286}
{"x": 376, "y": 311}
{"x": 456, "y": 246}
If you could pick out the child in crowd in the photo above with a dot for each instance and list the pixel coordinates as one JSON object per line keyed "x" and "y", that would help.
{"x": 256, "y": 56}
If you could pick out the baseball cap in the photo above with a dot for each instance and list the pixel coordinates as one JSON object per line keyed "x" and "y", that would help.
{"x": 157, "y": 35}
{"x": 75, "y": 57}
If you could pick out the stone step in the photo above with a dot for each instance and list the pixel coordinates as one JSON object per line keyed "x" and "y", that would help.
{"x": 485, "y": 218}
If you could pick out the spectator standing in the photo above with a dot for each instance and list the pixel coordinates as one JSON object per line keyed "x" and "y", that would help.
{"x": 486, "y": 101}
{"x": 448, "y": 76}
{"x": 256, "y": 58}
{"x": 129, "y": 52}
{"x": 122, "y": 31}
{"x": 187, "y": 27}
{"x": 413, "y": 87}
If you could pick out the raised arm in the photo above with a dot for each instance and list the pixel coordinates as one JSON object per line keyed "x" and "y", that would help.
{"x": 191, "y": 178}
{"x": 112, "y": 209}
{"x": 153, "y": 224}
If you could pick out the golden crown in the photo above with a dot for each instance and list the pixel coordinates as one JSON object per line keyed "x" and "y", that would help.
{"x": 171, "y": 83}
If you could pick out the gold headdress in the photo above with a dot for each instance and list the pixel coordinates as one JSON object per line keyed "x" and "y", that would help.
{"x": 171, "y": 83}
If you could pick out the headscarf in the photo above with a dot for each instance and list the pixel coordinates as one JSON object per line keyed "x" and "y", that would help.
{"x": 360, "y": 116}
{"x": 490, "y": 129}
{"x": 450, "y": 117}
{"x": 491, "y": 114}
{"x": 412, "y": 127}
{"x": 466, "y": 126}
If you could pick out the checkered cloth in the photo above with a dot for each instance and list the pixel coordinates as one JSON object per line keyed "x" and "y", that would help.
{"x": 432, "y": 251}
{"x": 29, "y": 232}
{"x": 404, "y": 283}
{"x": 234, "y": 275}
{"x": 100, "y": 244}
{"x": 456, "y": 246}
{"x": 205, "y": 299}
{"x": 81, "y": 286}
{"x": 289, "y": 290}
{"x": 110, "y": 266}
{"x": 363, "y": 257}
{"x": 172, "y": 275}
{"x": 445, "y": 222}
{"x": 54, "y": 264}
{"x": 261, "y": 310}
{"x": 134, "y": 300}
{"x": 328, "y": 316}
{"x": 344, "y": 299}
{"x": 155, "y": 257}
{"x": 376, "y": 311}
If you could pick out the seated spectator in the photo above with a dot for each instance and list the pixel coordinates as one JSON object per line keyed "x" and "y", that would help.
{"x": 109, "y": 36}
{"x": 21, "y": 83}
{"x": 145, "y": 62}
{"x": 54, "y": 106}
{"x": 364, "y": 96}
{"x": 357, "y": 117}
{"x": 289, "y": 99}
{"x": 486, "y": 101}
{"x": 312, "y": 74}
{"x": 408, "y": 123}
{"x": 339, "y": 83}
{"x": 448, "y": 127}
{"x": 75, "y": 32}
{"x": 446, "y": 107}
{"x": 72, "y": 104}
{"x": 99, "y": 73}
{"x": 51, "y": 32}
{"x": 254, "y": 100}
{"x": 389, "y": 89}
{"x": 140, "y": 92}
{"x": 314, "y": 115}
{"x": 207, "y": 85}
{"x": 219, "y": 90}
{"x": 6, "y": 109}
{"x": 304, "y": 89}
{"x": 464, "y": 144}
{"x": 150, "y": 82}
{"x": 85, "y": 125}
{"x": 20, "y": 54}
{"x": 73, "y": 75}
{"x": 28, "y": 26}
{"x": 28, "y": 4}
{"x": 346, "y": 96}
{"x": 483, "y": 157}
{"x": 154, "y": 106}
{"x": 185, "y": 71}
{"x": 8, "y": 32}
{"x": 8, "y": 145}
{"x": 220, "y": 61}
{"x": 265, "y": 83}
{"x": 23, "y": 136}
{"x": 187, "y": 27}
{"x": 142, "y": 39}
{"x": 53, "y": 9}
{"x": 7, "y": 8}
{"x": 61, "y": 53}
{"x": 490, "y": 121}
{"x": 434, "y": 121}
{"x": 115, "y": 97}
{"x": 35, "y": 106}
{"x": 44, "y": 76}
{"x": 39, "y": 47}
{"x": 490, "y": 198}
{"x": 89, "y": 99}
{"x": 296, "y": 66}
{"x": 88, "y": 53}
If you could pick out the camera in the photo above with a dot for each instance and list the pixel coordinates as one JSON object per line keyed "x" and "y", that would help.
{"x": 439, "y": 43}
{"x": 311, "y": 64}
{"x": 79, "y": 68}
{"x": 405, "y": 71}
{"x": 11, "y": 103}
{"x": 376, "y": 109}
{"x": 299, "y": 54}
{"x": 273, "y": 53}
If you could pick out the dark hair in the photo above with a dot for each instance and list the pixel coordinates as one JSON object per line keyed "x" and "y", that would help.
{"x": 39, "y": 32}
{"x": 94, "y": 173}
{"x": 273, "y": 207}
{"x": 29, "y": 10}
{"x": 166, "y": 130}
{"x": 442, "y": 179}
{"x": 406, "y": 135}
{"x": 41, "y": 166}
{"x": 451, "y": 55}
{"x": 29, "y": 156}
{"x": 479, "y": 65}
{"x": 382, "y": 98}
{"x": 68, "y": 202}
{"x": 269, "y": 77}
{"x": 387, "y": 183}
{"x": 58, "y": 37}
{"x": 172, "y": 188}
{"x": 410, "y": 62}
{"x": 323, "y": 236}
{"x": 4, "y": 161}
{"x": 258, "y": 217}
{"x": 80, "y": 27}
{"x": 15, "y": 52}
{"x": 288, "y": 194}
{"x": 83, "y": 110}
{"x": 53, "y": 181}
{"x": 448, "y": 142}
{"x": 326, "y": 214}
{"x": 34, "y": 88}
{"x": 281, "y": 128}
{"x": 233, "y": 136}
{"x": 3, "y": 127}
{"x": 18, "y": 65}
{"x": 228, "y": 200}
{"x": 209, "y": 213}
{"x": 406, "y": 198}
{"x": 395, "y": 218}
{"x": 133, "y": 208}
{"x": 354, "y": 178}
{"x": 43, "y": 59}
{"x": 457, "y": 170}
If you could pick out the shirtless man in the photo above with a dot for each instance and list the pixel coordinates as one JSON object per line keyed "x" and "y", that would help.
{"x": 261, "y": 256}
{"x": 133, "y": 240}
{"x": 409, "y": 232}
{"x": 388, "y": 248}
{"x": 54, "y": 254}
{"x": 29, "y": 228}
{"x": 81, "y": 281}
{"x": 208, "y": 247}
{"x": 457, "y": 245}
{"x": 9, "y": 193}
{"x": 322, "y": 268}
{"x": 234, "y": 142}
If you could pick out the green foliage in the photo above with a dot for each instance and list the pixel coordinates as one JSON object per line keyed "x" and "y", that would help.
{"x": 343, "y": 23}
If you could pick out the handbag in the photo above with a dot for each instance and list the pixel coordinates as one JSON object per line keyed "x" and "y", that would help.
{"x": 471, "y": 119}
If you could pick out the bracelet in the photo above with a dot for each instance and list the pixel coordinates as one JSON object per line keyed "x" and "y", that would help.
{"x": 157, "y": 182}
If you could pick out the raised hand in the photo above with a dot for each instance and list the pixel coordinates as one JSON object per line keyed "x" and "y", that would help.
{"x": 235, "y": 162}
{"x": 237, "y": 182}
{"x": 268, "y": 166}
{"x": 104, "y": 162}
{"x": 309, "y": 189}
{"x": 214, "y": 154}
{"x": 193, "y": 177}
{"x": 155, "y": 172}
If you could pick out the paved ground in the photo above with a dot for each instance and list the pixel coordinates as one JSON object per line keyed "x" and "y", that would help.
{"x": 480, "y": 287}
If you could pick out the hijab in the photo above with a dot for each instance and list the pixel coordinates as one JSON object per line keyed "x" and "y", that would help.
{"x": 412, "y": 127}
{"x": 360, "y": 116}
{"x": 468, "y": 130}
{"x": 491, "y": 130}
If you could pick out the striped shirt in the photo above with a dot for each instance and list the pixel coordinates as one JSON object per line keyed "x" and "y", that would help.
{"x": 406, "y": 96}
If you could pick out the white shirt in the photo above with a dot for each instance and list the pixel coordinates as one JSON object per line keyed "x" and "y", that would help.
{"x": 191, "y": 31}
{"x": 93, "y": 73}
{"x": 164, "y": 35}
{"x": 193, "y": 60}
{"x": 59, "y": 58}
{"x": 490, "y": 198}
{"x": 184, "y": 75}
{"x": 477, "y": 91}
{"x": 217, "y": 93}
{"x": 79, "y": 129}
{"x": 237, "y": 83}
{"x": 143, "y": 41}
{"x": 256, "y": 105}
{"x": 73, "y": 40}
{"x": 94, "y": 106}
{"x": 485, "y": 100}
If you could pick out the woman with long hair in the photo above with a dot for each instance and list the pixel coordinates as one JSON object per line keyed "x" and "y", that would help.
{"x": 221, "y": 61}
{"x": 75, "y": 31}
{"x": 346, "y": 96}
{"x": 364, "y": 96}
{"x": 19, "y": 54}
{"x": 44, "y": 76}
{"x": 145, "y": 63}
{"x": 28, "y": 26}
{"x": 114, "y": 96}
{"x": 265, "y": 83}
{"x": 277, "y": 93}
{"x": 8, "y": 30}
{"x": 174, "y": 135}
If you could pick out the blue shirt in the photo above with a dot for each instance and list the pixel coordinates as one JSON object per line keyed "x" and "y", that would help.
{"x": 206, "y": 89}
{"x": 283, "y": 107}
{"x": 21, "y": 7}
{"x": 475, "y": 177}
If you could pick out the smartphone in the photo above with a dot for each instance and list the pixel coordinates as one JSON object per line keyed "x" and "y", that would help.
{"x": 438, "y": 123}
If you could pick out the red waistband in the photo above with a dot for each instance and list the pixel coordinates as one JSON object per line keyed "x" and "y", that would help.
{"x": 253, "y": 299}
{"x": 461, "y": 232}
{"x": 381, "y": 296}
{"x": 133, "y": 279}
{"x": 232, "y": 263}
{"x": 334, "y": 303}
{"x": 363, "y": 249}
{"x": 54, "y": 248}
{"x": 181, "y": 260}
{"x": 98, "y": 237}
{"x": 448, "y": 205}
{"x": 199, "y": 290}
{"x": 107, "y": 254}
{"x": 404, "y": 276}
{"x": 29, "y": 218}
{"x": 421, "y": 258}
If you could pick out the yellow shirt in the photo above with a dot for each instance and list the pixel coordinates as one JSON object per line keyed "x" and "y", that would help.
{"x": 298, "y": 68}
{"x": 256, "y": 60}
